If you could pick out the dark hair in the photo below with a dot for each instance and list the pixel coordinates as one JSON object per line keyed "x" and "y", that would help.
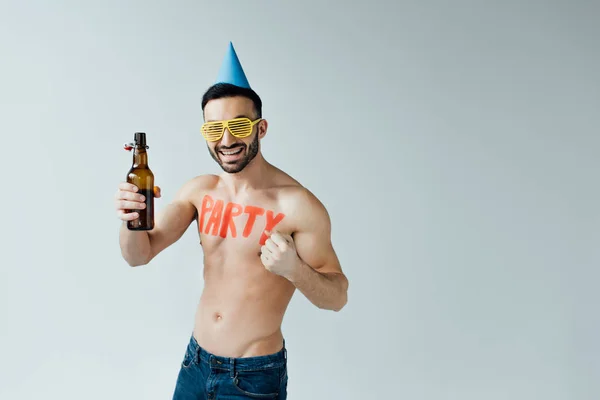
{"x": 221, "y": 90}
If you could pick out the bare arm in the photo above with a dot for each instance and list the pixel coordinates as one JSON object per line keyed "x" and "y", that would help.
{"x": 318, "y": 274}
{"x": 139, "y": 248}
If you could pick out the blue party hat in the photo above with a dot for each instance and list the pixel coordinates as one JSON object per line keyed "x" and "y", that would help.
{"x": 231, "y": 70}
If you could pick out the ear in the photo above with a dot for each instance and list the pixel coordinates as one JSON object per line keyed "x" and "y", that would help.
{"x": 262, "y": 128}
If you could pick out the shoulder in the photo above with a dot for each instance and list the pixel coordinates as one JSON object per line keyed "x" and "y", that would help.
{"x": 301, "y": 197}
{"x": 197, "y": 185}
{"x": 306, "y": 209}
{"x": 297, "y": 199}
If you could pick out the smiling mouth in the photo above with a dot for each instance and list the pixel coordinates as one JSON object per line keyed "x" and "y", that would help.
{"x": 231, "y": 152}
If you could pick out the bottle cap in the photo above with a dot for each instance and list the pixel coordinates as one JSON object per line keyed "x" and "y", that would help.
{"x": 140, "y": 139}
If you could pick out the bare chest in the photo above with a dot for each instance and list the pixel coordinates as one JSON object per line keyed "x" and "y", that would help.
{"x": 238, "y": 225}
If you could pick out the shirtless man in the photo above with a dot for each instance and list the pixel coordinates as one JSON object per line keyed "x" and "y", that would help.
{"x": 263, "y": 236}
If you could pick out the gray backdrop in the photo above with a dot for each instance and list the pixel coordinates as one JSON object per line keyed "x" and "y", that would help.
{"x": 454, "y": 143}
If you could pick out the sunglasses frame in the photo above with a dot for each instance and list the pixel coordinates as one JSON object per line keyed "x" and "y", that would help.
{"x": 225, "y": 125}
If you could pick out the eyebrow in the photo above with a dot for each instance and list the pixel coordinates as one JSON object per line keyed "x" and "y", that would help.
{"x": 238, "y": 116}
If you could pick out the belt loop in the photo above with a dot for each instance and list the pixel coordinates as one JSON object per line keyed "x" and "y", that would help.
{"x": 232, "y": 365}
{"x": 196, "y": 348}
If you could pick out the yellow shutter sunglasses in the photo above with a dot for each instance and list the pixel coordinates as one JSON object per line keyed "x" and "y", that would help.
{"x": 238, "y": 127}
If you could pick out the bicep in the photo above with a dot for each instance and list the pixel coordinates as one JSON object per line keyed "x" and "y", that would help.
{"x": 318, "y": 254}
{"x": 313, "y": 241}
{"x": 172, "y": 222}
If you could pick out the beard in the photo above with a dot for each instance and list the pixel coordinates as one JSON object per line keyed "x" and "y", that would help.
{"x": 249, "y": 153}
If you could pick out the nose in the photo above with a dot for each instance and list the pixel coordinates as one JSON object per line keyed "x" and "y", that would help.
{"x": 228, "y": 139}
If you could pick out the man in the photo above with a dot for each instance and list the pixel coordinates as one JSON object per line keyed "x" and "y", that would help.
{"x": 263, "y": 236}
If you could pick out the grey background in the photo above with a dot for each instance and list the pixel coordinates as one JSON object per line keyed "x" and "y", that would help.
{"x": 454, "y": 144}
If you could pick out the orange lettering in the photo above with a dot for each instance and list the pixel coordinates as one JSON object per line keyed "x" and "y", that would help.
{"x": 221, "y": 220}
{"x": 207, "y": 205}
{"x": 232, "y": 210}
{"x": 252, "y": 212}
{"x": 215, "y": 218}
{"x": 271, "y": 222}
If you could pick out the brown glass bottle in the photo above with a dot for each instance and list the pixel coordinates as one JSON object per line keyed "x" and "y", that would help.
{"x": 141, "y": 176}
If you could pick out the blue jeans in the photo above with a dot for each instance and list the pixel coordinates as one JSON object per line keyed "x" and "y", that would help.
{"x": 205, "y": 376}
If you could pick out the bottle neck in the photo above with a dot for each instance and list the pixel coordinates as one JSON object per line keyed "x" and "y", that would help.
{"x": 140, "y": 157}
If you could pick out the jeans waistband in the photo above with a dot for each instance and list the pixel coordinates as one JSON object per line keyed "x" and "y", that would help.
{"x": 274, "y": 360}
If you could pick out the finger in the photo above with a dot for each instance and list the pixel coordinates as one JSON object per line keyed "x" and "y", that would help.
{"x": 156, "y": 191}
{"x": 265, "y": 250}
{"x": 125, "y": 216}
{"x": 130, "y": 205}
{"x": 278, "y": 239}
{"x": 282, "y": 236}
{"x": 287, "y": 237}
{"x": 265, "y": 260}
{"x": 128, "y": 186}
{"x": 126, "y": 195}
{"x": 270, "y": 244}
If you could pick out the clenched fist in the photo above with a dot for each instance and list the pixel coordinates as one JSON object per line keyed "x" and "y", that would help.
{"x": 127, "y": 200}
{"x": 279, "y": 255}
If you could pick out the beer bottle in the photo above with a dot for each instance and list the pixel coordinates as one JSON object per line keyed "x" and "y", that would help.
{"x": 141, "y": 176}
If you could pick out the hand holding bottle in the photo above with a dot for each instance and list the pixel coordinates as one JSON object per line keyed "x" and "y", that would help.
{"x": 128, "y": 199}
{"x": 138, "y": 185}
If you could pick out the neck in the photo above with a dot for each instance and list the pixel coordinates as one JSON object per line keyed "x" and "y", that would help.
{"x": 140, "y": 157}
{"x": 251, "y": 177}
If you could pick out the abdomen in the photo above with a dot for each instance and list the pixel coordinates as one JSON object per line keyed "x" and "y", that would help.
{"x": 242, "y": 307}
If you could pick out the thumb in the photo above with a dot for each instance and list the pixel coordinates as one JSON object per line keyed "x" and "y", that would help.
{"x": 156, "y": 191}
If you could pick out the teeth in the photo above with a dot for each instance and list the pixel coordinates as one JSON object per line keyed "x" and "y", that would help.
{"x": 232, "y": 152}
